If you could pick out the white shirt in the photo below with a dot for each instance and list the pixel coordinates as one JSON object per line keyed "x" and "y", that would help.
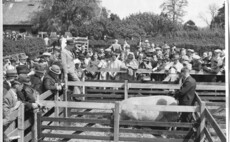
{"x": 178, "y": 66}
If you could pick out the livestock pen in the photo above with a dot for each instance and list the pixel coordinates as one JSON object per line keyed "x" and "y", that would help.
{"x": 98, "y": 118}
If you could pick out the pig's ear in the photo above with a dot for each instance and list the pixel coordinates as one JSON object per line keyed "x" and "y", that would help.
{"x": 173, "y": 104}
{"x": 161, "y": 102}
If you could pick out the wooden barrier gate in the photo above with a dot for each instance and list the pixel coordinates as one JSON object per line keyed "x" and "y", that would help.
{"x": 85, "y": 112}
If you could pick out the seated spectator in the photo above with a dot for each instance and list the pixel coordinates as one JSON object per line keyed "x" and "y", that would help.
{"x": 87, "y": 59}
{"x": 11, "y": 75}
{"x": 101, "y": 53}
{"x": 173, "y": 68}
{"x": 190, "y": 53}
{"x": 131, "y": 64}
{"x": 115, "y": 64}
{"x": 51, "y": 80}
{"x": 78, "y": 69}
{"x": 93, "y": 65}
{"x": 196, "y": 64}
{"x": 102, "y": 65}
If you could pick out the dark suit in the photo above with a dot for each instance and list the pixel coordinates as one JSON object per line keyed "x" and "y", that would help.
{"x": 6, "y": 85}
{"x": 186, "y": 96}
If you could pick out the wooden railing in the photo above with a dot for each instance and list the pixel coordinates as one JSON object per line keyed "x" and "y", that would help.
{"x": 15, "y": 130}
{"x": 113, "y": 126}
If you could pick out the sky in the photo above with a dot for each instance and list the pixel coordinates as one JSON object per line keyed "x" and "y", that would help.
{"x": 124, "y": 8}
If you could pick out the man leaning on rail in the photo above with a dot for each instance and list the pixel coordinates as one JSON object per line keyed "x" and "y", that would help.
{"x": 186, "y": 93}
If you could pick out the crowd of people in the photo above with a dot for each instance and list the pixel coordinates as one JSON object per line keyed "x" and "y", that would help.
{"x": 27, "y": 77}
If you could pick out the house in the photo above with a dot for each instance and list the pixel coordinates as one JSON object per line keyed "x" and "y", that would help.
{"x": 17, "y": 14}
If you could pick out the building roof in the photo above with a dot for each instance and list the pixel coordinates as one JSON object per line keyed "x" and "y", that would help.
{"x": 20, "y": 13}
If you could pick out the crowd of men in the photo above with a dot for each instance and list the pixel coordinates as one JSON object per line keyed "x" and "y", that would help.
{"x": 27, "y": 77}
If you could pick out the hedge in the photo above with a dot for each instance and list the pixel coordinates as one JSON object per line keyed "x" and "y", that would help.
{"x": 30, "y": 46}
{"x": 199, "y": 45}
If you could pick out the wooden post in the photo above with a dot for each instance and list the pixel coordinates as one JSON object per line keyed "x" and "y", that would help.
{"x": 21, "y": 120}
{"x": 65, "y": 94}
{"x": 35, "y": 132}
{"x": 56, "y": 108}
{"x": 39, "y": 123}
{"x": 126, "y": 89}
{"x": 83, "y": 87}
{"x": 201, "y": 134}
{"x": 116, "y": 122}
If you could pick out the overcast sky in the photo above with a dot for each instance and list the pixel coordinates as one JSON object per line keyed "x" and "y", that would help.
{"x": 124, "y": 8}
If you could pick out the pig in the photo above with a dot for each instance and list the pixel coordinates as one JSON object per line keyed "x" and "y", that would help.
{"x": 139, "y": 108}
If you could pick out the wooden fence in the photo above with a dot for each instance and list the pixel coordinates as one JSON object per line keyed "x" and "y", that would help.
{"x": 115, "y": 127}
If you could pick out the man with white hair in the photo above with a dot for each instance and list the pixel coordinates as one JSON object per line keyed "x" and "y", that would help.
{"x": 173, "y": 68}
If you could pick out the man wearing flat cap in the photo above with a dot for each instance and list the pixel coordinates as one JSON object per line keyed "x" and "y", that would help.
{"x": 11, "y": 75}
{"x": 37, "y": 78}
{"x": 28, "y": 94}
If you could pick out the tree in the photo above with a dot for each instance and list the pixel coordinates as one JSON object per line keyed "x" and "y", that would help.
{"x": 174, "y": 9}
{"x": 212, "y": 12}
{"x": 65, "y": 15}
{"x": 190, "y": 25}
{"x": 219, "y": 20}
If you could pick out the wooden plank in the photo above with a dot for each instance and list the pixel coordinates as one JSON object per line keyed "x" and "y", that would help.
{"x": 212, "y": 94}
{"x": 27, "y": 124}
{"x": 74, "y": 136}
{"x": 69, "y": 128}
{"x": 79, "y": 120}
{"x": 21, "y": 119}
{"x": 133, "y": 139}
{"x": 80, "y": 105}
{"x": 88, "y": 90}
{"x": 200, "y": 132}
{"x": 116, "y": 122}
{"x": 14, "y": 114}
{"x": 97, "y": 95}
{"x": 155, "y": 123}
{"x": 91, "y": 113}
{"x": 126, "y": 89}
{"x": 28, "y": 137}
{"x": 155, "y": 131}
{"x": 213, "y": 98}
{"x": 14, "y": 133}
{"x": 10, "y": 127}
{"x": 214, "y": 124}
{"x": 45, "y": 95}
{"x": 95, "y": 84}
{"x": 208, "y": 135}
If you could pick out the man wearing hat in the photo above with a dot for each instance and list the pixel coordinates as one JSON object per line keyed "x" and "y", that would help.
{"x": 67, "y": 58}
{"x": 55, "y": 56}
{"x": 37, "y": 78}
{"x": 217, "y": 57}
{"x": 146, "y": 45}
{"x": 190, "y": 53}
{"x": 51, "y": 80}
{"x": 22, "y": 59}
{"x": 11, "y": 75}
{"x": 196, "y": 64}
{"x": 115, "y": 64}
{"x": 11, "y": 102}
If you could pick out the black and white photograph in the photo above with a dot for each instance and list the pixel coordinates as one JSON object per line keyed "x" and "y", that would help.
{"x": 114, "y": 70}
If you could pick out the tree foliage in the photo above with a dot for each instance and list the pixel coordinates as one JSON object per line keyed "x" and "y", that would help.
{"x": 219, "y": 20}
{"x": 174, "y": 9}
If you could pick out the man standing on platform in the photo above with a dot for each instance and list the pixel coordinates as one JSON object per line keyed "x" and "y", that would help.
{"x": 186, "y": 94}
{"x": 67, "y": 57}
